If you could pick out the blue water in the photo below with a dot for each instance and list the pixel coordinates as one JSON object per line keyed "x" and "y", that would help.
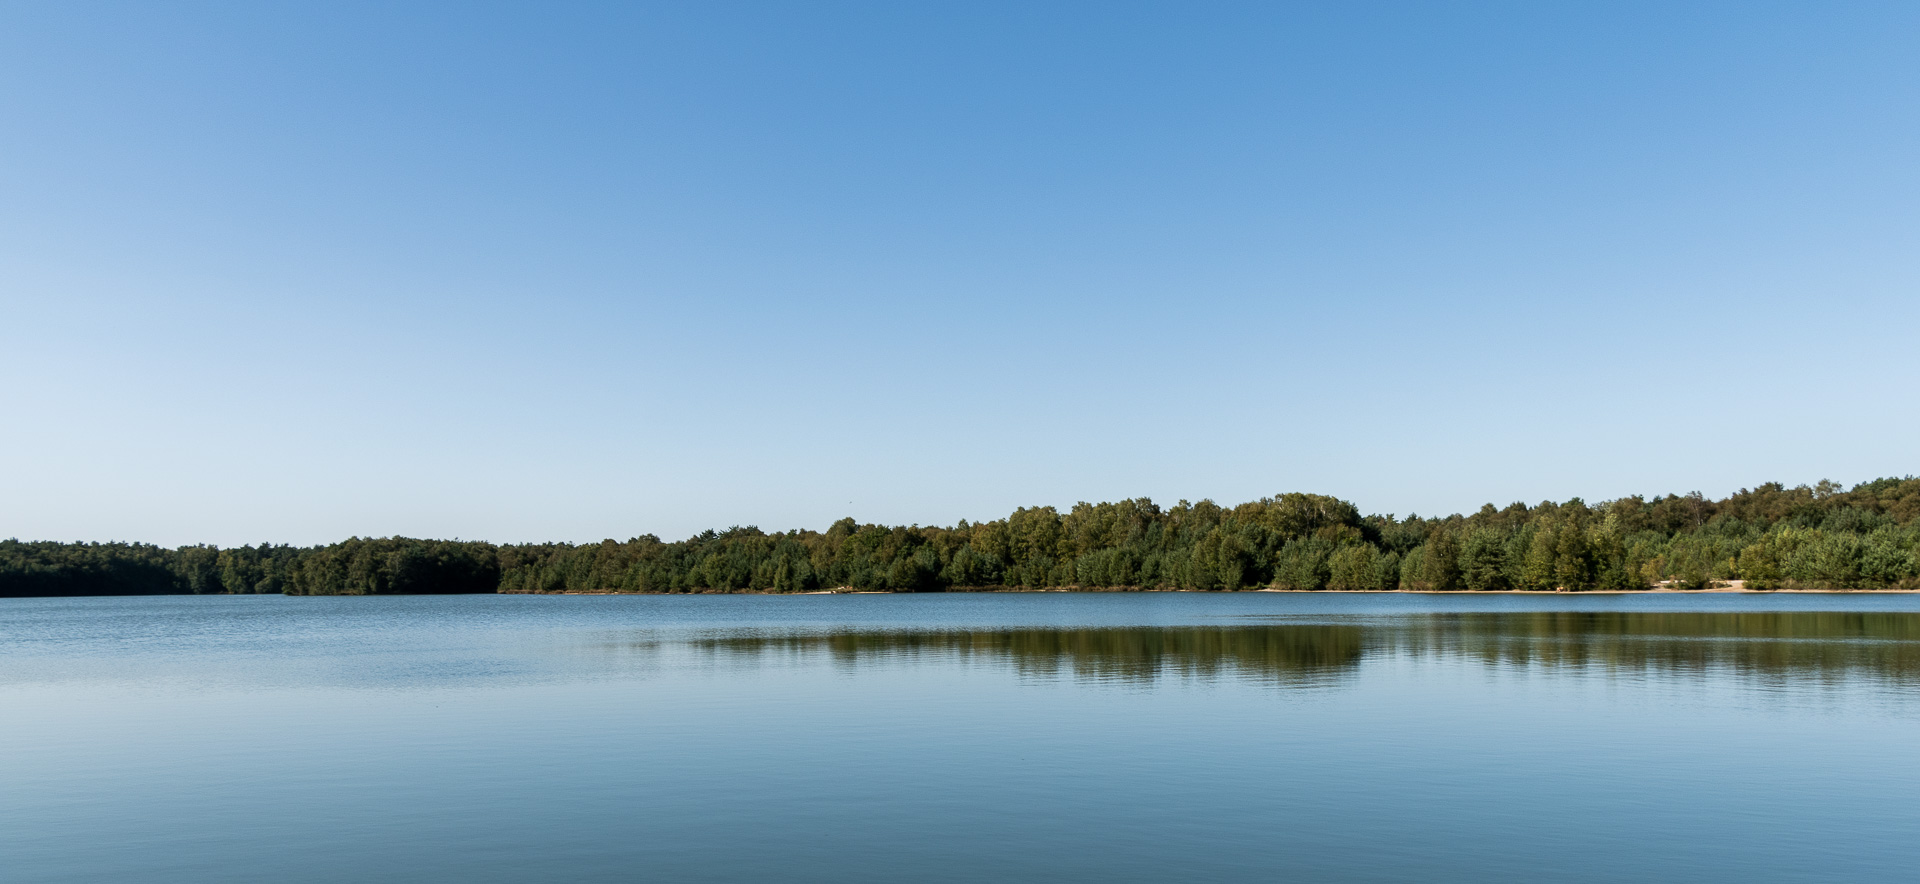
{"x": 1022, "y": 737}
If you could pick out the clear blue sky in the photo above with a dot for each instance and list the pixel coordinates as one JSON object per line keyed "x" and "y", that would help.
{"x": 552, "y": 271}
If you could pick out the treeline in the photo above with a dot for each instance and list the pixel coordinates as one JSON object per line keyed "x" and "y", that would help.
{"x": 1824, "y": 536}
{"x": 395, "y": 565}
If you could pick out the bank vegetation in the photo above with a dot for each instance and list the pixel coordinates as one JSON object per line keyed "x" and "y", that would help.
{"x": 1770, "y": 537}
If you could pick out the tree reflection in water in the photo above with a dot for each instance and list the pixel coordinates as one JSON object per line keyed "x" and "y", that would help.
{"x": 1772, "y": 644}
{"x": 1300, "y": 654}
{"x": 1766, "y": 646}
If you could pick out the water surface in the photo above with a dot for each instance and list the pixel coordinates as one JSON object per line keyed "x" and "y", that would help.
{"x": 1098, "y": 737}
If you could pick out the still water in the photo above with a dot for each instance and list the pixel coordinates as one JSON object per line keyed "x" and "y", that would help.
{"x": 1017, "y": 737}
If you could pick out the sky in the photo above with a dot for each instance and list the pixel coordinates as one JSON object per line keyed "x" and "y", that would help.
{"x": 526, "y": 272}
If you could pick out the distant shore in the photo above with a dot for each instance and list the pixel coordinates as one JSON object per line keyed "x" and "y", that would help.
{"x": 1717, "y": 590}
{"x": 1769, "y": 538}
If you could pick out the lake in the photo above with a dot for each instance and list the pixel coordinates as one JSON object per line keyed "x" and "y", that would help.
{"x": 1013, "y": 737}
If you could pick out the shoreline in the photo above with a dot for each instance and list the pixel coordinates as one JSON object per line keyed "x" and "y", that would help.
{"x": 1718, "y": 590}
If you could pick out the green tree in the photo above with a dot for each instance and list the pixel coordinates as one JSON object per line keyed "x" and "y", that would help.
{"x": 1353, "y": 568}
{"x": 1483, "y": 561}
{"x": 1442, "y": 566}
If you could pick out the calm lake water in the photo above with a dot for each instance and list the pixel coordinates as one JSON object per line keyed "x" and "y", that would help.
{"x": 1022, "y": 737}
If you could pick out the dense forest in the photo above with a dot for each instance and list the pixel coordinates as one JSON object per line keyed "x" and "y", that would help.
{"x": 1770, "y": 537}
